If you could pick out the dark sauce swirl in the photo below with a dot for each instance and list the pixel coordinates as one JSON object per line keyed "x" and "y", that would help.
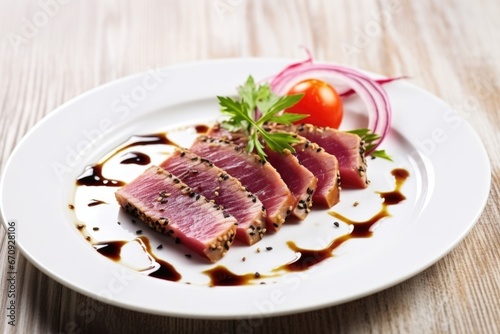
{"x": 164, "y": 270}
{"x": 92, "y": 176}
{"x": 360, "y": 229}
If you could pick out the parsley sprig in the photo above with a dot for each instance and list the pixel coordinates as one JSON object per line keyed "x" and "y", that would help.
{"x": 257, "y": 106}
{"x": 369, "y": 137}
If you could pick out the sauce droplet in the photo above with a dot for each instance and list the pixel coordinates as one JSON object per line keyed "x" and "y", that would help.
{"x": 96, "y": 202}
{"x": 221, "y": 276}
{"x": 201, "y": 128}
{"x": 136, "y": 158}
{"x": 111, "y": 249}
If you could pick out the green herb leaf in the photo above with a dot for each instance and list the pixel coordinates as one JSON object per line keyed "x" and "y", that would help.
{"x": 381, "y": 154}
{"x": 242, "y": 116}
{"x": 287, "y": 118}
{"x": 369, "y": 137}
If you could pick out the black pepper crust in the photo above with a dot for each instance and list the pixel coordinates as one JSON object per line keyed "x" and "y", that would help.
{"x": 161, "y": 224}
{"x": 222, "y": 176}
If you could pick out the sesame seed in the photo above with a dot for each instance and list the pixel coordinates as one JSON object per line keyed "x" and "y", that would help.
{"x": 336, "y": 224}
{"x": 96, "y": 228}
{"x": 187, "y": 255}
{"x": 258, "y": 250}
{"x": 243, "y": 259}
{"x": 257, "y": 275}
{"x": 160, "y": 246}
{"x": 269, "y": 248}
{"x": 138, "y": 232}
{"x": 355, "y": 203}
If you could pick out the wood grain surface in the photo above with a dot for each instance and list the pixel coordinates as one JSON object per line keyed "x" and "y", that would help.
{"x": 53, "y": 50}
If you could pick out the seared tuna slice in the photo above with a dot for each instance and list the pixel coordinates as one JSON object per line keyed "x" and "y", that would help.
{"x": 322, "y": 165}
{"x": 348, "y": 148}
{"x": 301, "y": 182}
{"x": 166, "y": 204}
{"x": 218, "y": 131}
{"x": 262, "y": 179}
{"x": 215, "y": 184}
{"x": 319, "y": 165}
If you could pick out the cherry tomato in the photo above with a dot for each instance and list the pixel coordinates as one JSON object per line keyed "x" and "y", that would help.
{"x": 320, "y": 101}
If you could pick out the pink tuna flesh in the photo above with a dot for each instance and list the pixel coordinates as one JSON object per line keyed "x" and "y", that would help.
{"x": 205, "y": 178}
{"x": 262, "y": 179}
{"x": 301, "y": 182}
{"x": 165, "y": 203}
{"x": 322, "y": 165}
{"x": 348, "y": 148}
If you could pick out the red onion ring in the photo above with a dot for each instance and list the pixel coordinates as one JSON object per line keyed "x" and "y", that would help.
{"x": 369, "y": 90}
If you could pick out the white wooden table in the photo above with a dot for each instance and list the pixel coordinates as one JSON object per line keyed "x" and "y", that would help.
{"x": 54, "y": 50}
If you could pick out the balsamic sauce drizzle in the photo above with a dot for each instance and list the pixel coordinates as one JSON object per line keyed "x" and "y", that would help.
{"x": 164, "y": 270}
{"x": 221, "y": 276}
{"x": 111, "y": 249}
{"x": 96, "y": 202}
{"x": 308, "y": 258}
{"x": 92, "y": 176}
{"x": 136, "y": 158}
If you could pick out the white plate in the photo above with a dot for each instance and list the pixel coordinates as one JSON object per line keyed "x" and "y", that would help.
{"x": 446, "y": 192}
